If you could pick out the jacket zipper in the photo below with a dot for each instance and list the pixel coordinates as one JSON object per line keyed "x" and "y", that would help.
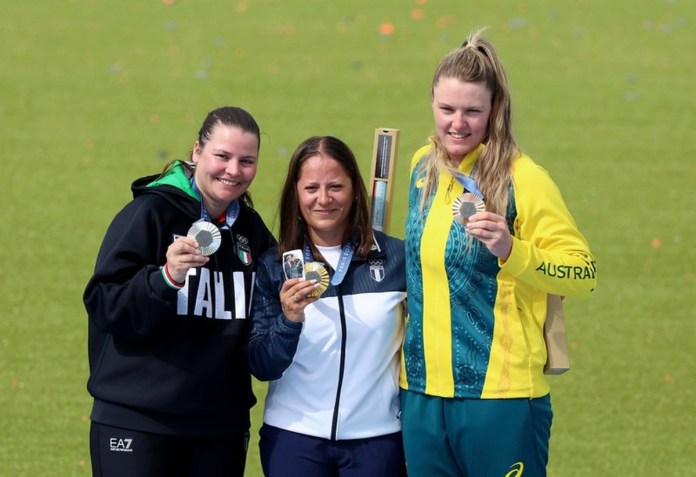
{"x": 342, "y": 365}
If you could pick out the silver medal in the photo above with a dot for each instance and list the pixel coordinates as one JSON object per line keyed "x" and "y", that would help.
{"x": 207, "y": 235}
{"x": 465, "y": 206}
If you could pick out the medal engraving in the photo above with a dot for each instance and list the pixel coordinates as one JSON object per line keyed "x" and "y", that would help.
{"x": 207, "y": 235}
{"x": 465, "y": 206}
{"x": 317, "y": 271}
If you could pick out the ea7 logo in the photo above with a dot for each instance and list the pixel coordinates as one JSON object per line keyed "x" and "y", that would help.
{"x": 120, "y": 445}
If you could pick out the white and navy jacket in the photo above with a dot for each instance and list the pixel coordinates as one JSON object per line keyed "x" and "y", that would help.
{"x": 335, "y": 376}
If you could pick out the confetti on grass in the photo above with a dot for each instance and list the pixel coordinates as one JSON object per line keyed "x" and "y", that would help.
{"x": 386, "y": 29}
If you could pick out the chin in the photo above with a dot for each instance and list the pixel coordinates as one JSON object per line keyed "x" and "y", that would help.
{"x": 459, "y": 151}
{"x": 235, "y": 193}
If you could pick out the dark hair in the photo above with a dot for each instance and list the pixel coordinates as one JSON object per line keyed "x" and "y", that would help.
{"x": 293, "y": 229}
{"x": 228, "y": 116}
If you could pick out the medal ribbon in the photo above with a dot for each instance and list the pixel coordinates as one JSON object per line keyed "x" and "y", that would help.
{"x": 347, "y": 251}
{"x": 468, "y": 182}
{"x": 230, "y": 216}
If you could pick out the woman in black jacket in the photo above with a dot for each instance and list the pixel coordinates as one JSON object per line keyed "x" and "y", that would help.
{"x": 168, "y": 305}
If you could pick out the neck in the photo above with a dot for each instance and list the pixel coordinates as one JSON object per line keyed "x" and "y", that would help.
{"x": 328, "y": 239}
{"x": 215, "y": 212}
{"x": 326, "y": 247}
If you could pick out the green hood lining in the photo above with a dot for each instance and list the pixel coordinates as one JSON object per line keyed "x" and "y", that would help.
{"x": 178, "y": 177}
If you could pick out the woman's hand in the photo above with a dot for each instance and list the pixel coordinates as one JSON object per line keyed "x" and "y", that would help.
{"x": 183, "y": 254}
{"x": 491, "y": 230}
{"x": 294, "y": 297}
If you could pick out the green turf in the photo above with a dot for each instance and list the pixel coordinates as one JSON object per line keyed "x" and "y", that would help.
{"x": 94, "y": 93}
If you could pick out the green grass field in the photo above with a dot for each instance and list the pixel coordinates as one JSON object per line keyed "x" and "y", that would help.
{"x": 94, "y": 93}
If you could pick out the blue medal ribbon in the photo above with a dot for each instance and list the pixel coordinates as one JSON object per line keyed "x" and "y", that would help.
{"x": 347, "y": 251}
{"x": 230, "y": 216}
{"x": 343, "y": 263}
{"x": 468, "y": 182}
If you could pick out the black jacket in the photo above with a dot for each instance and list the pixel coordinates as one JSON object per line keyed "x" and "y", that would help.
{"x": 163, "y": 360}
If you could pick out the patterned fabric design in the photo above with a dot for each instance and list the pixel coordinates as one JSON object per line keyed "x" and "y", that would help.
{"x": 471, "y": 272}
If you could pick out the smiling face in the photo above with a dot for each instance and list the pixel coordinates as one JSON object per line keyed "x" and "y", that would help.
{"x": 461, "y": 111}
{"x": 325, "y": 196}
{"x": 225, "y": 166}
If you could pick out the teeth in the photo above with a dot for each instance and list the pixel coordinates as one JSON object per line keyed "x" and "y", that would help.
{"x": 458, "y": 136}
{"x": 229, "y": 183}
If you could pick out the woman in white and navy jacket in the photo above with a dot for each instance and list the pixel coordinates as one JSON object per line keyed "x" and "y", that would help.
{"x": 332, "y": 406}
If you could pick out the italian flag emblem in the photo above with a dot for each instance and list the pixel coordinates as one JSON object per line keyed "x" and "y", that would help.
{"x": 244, "y": 253}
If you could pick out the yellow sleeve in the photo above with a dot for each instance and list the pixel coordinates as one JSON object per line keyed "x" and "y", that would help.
{"x": 548, "y": 252}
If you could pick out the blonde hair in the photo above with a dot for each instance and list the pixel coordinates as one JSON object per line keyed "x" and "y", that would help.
{"x": 476, "y": 61}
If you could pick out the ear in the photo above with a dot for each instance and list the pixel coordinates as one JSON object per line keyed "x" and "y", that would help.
{"x": 196, "y": 153}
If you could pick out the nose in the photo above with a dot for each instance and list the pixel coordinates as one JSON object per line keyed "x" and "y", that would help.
{"x": 232, "y": 167}
{"x": 324, "y": 196}
{"x": 458, "y": 121}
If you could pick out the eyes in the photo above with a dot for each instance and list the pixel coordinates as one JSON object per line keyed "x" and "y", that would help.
{"x": 331, "y": 187}
{"x": 472, "y": 111}
{"x": 246, "y": 161}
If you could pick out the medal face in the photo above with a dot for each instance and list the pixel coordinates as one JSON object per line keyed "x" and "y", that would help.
{"x": 207, "y": 235}
{"x": 317, "y": 271}
{"x": 465, "y": 206}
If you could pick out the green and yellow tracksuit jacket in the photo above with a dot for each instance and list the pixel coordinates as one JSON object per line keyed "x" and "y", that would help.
{"x": 475, "y": 325}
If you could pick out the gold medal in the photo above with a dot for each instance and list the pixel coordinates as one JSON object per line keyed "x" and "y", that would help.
{"x": 207, "y": 235}
{"x": 465, "y": 206}
{"x": 317, "y": 271}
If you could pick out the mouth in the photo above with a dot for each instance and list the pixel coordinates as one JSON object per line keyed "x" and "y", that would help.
{"x": 229, "y": 183}
{"x": 323, "y": 212}
{"x": 458, "y": 135}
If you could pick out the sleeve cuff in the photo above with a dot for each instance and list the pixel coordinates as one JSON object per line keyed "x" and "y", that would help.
{"x": 515, "y": 263}
{"x": 170, "y": 281}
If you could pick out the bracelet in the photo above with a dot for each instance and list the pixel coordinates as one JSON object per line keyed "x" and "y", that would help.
{"x": 170, "y": 281}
